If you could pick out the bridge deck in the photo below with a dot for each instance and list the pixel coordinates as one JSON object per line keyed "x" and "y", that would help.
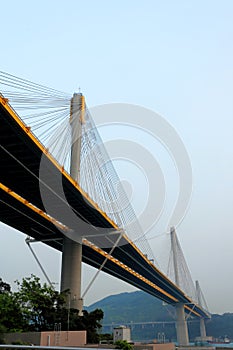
{"x": 21, "y": 155}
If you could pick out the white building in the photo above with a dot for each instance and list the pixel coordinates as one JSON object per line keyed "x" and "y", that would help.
{"x": 121, "y": 333}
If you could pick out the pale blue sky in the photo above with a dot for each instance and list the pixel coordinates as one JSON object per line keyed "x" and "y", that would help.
{"x": 174, "y": 57}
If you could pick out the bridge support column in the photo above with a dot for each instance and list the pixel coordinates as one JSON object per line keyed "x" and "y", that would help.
{"x": 181, "y": 325}
{"x": 72, "y": 251}
{"x": 202, "y": 328}
{"x": 71, "y": 273}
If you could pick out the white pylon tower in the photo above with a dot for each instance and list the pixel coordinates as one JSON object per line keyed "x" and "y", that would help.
{"x": 202, "y": 320}
{"x": 72, "y": 251}
{"x": 181, "y": 323}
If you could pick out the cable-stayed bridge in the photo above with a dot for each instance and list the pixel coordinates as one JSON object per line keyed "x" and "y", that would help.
{"x": 58, "y": 186}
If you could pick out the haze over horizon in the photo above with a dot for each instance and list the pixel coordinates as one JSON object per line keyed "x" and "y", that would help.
{"x": 174, "y": 58}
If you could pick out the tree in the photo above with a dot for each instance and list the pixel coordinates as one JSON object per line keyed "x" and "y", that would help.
{"x": 90, "y": 321}
{"x": 41, "y": 305}
{"x": 37, "y": 307}
{"x": 4, "y": 287}
{"x": 123, "y": 344}
{"x": 92, "y": 324}
{"x": 2, "y": 331}
{"x": 10, "y": 314}
{"x": 107, "y": 337}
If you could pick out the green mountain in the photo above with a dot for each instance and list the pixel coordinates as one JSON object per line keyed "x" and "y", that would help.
{"x": 148, "y": 316}
{"x": 132, "y": 307}
{"x": 137, "y": 310}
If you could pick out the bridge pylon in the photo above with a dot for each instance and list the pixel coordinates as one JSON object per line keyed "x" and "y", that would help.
{"x": 181, "y": 323}
{"x": 72, "y": 251}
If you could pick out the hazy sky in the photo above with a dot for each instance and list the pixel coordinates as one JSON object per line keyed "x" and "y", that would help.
{"x": 173, "y": 57}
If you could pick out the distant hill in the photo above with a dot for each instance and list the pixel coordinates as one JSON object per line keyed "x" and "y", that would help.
{"x": 135, "y": 306}
{"x": 139, "y": 307}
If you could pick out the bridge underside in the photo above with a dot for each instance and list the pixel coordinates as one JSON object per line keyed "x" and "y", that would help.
{"x": 21, "y": 155}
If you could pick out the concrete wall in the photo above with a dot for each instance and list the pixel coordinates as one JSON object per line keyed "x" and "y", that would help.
{"x": 72, "y": 338}
{"x": 164, "y": 346}
{"x": 197, "y": 347}
{"x": 26, "y": 338}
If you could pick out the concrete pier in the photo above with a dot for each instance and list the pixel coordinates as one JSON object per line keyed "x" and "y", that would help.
{"x": 181, "y": 324}
{"x": 72, "y": 251}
